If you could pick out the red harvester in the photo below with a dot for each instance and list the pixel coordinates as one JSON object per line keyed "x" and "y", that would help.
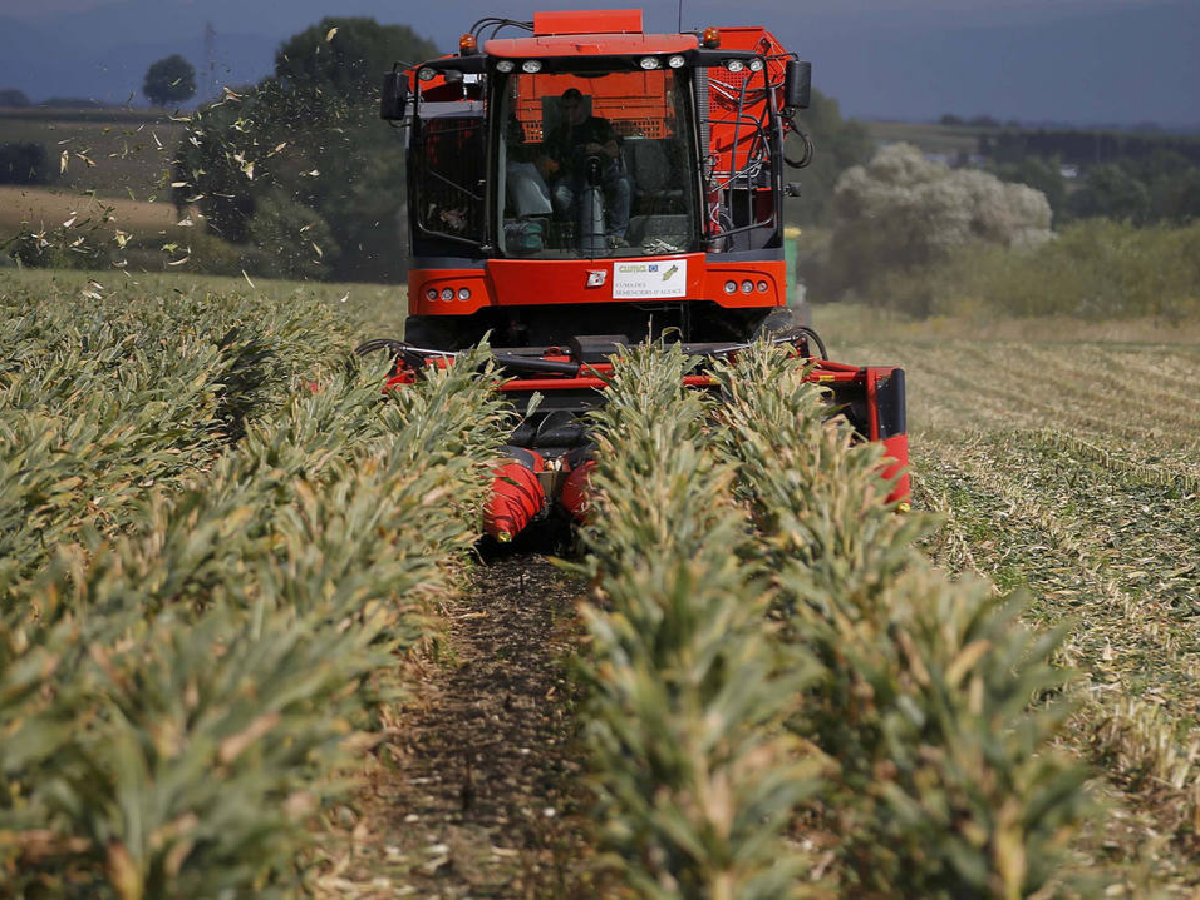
{"x": 585, "y": 186}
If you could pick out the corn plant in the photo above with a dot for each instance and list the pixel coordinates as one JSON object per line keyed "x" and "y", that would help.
{"x": 695, "y": 775}
{"x": 212, "y": 632}
{"x": 101, "y": 400}
{"x": 946, "y": 785}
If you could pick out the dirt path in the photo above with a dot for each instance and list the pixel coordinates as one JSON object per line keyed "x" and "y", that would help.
{"x": 478, "y": 791}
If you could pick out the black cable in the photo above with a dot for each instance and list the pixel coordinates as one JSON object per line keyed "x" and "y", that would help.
{"x": 395, "y": 346}
{"x": 808, "y": 332}
{"x": 397, "y": 349}
{"x": 809, "y": 150}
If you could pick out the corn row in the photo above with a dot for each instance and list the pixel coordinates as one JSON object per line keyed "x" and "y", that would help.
{"x": 1145, "y": 472}
{"x": 930, "y": 695}
{"x": 102, "y": 399}
{"x": 215, "y": 648}
{"x": 696, "y": 776}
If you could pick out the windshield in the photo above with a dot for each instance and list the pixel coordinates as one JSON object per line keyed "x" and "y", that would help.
{"x": 595, "y": 165}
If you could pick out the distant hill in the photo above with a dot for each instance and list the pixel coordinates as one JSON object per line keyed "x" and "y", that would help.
{"x": 1069, "y": 61}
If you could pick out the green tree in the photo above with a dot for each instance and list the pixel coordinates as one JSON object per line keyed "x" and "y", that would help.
{"x": 839, "y": 144}
{"x": 1111, "y": 191}
{"x": 1041, "y": 174}
{"x": 252, "y": 170}
{"x": 347, "y": 55}
{"x": 902, "y": 213}
{"x": 13, "y": 97}
{"x": 1182, "y": 204}
{"x": 170, "y": 80}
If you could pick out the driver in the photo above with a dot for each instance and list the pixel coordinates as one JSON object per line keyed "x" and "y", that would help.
{"x": 564, "y": 154}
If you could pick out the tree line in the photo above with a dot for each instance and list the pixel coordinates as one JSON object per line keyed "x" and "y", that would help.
{"x": 299, "y": 165}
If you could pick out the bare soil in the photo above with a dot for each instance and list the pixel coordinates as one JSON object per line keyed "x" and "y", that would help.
{"x": 477, "y": 789}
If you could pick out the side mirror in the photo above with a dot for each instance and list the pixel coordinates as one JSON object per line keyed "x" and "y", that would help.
{"x": 395, "y": 96}
{"x": 798, "y": 86}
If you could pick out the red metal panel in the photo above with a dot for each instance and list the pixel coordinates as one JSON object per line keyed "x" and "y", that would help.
{"x": 588, "y": 21}
{"x": 873, "y": 376}
{"x": 591, "y": 45}
{"x": 895, "y": 451}
{"x": 773, "y": 272}
{"x": 634, "y": 102}
{"x": 421, "y": 281}
{"x": 547, "y": 282}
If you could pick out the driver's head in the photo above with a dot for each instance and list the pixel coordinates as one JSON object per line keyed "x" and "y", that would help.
{"x": 573, "y": 106}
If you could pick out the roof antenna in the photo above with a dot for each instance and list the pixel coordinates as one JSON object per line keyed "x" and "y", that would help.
{"x": 681, "y": 16}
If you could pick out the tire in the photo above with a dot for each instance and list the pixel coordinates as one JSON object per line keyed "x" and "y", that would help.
{"x": 785, "y": 323}
{"x": 779, "y": 322}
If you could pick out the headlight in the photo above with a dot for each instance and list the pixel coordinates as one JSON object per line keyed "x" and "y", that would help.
{"x": 675, "y": 62}
{"x": 505, "y": 66}
{"x": 447, "y": 294}
{"x": 464, "y": 293}
{"x": 762, "y": 287}
{"x": 531, "y": 66}
{"x": 735, "y": 65}
{"x": 756, "y": 65}
{"x": 649, "y": 62}
{"x": 731, "y": 287}
{"x": 427, "y": 74}
{"x": 747, "y": 286}
{"x": 431, "y": 294}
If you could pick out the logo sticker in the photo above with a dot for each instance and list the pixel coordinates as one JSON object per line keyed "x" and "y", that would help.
{"x": 650, "y": 280}
{"x": 596, "y": 277}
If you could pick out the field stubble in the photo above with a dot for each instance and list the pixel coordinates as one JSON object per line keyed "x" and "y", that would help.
{"x": 1066, "y": 462}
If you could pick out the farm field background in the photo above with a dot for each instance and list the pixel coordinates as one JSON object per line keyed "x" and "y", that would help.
{"x": 116, "y": 153}
{"x": 1064, "y": 460}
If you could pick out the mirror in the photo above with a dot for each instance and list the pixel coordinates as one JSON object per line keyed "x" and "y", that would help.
{"x": 798, "y": 87}
{"x": 394, "y": 97}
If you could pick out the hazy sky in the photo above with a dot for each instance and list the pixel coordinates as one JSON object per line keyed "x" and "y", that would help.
{"x": 657, "y": 9}
{"x": 1084, "y": 61}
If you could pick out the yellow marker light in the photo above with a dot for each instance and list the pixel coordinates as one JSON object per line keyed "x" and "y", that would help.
{"x": 712, "y": 38}
{"x": 467, "y": 45}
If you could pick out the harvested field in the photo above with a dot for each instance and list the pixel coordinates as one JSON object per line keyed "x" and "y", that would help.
{"x": 48, "y": 207}
{"x": 1071, "y": 469}
{"x": 115, "y": 153}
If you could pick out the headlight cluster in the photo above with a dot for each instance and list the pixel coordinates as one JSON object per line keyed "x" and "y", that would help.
{"x": 739, "y": 65}
{"x": 447, "y": 294}
{"x": 533, "y": 66}
{"x": 747, "y": 286}
{"x": 528, "y": 66}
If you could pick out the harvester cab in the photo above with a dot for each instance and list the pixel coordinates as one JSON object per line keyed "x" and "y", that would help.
{"x": 582, "y": 186}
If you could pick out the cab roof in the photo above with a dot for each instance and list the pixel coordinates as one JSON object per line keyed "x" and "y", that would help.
{"x": 599, "y": 44}
{"x": 604, "y": 32}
